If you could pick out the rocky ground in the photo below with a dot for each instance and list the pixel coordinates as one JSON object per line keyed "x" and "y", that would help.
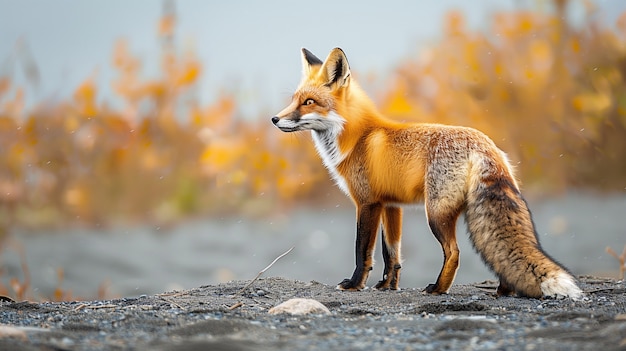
{"x": 219, "y": 317}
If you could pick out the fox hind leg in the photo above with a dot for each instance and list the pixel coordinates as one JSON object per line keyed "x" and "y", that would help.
{"x": 391, "y": 236}
{"x": 443, "y": 226}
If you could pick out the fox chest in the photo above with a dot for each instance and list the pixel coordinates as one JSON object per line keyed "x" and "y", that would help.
{"x": 327, "y": 147}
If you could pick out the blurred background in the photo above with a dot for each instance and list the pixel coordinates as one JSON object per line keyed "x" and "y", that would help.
{"x": 137, "y": 156}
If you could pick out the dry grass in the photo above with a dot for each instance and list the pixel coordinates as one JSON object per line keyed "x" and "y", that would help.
{"x": 621, "y": 259}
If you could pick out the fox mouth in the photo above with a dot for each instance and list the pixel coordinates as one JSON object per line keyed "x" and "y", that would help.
{"x": 296, "y": 128}
{"x": 289, "y": 129}
{"x": 287, "y": 125}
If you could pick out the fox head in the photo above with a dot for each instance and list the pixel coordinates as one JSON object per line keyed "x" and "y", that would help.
{"x": 314, "y": 104}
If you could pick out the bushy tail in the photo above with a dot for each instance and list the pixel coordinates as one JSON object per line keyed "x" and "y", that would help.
{"x": 502, "y": 231}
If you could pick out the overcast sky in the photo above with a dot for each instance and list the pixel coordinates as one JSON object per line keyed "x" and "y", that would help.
{"x": 249, "y": 47}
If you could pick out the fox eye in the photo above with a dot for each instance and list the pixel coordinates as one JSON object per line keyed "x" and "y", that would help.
{"x": 308, "y": 102}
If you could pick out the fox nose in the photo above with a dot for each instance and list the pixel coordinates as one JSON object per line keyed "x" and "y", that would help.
{"x": 275, "y": 119}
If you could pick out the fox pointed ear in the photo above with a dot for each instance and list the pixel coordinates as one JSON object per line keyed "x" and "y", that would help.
{"x": 336, "y": 68}
{"x": 309, "y": 60}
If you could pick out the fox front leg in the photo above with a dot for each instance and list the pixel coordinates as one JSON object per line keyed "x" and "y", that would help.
{"x": 368, "y": 220}
{"x": 391, "y": 236}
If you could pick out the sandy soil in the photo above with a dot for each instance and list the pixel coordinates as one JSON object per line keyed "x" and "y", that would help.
{"x": 217, "y": 317}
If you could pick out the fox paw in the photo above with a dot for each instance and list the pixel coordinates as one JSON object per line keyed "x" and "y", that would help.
{"x": 382, "y": 285}
{"x": 504, "y": 290}
{"x": 433, "y": 289}
{"x": 386, "y": 285}
{"x": 348, "y": 284}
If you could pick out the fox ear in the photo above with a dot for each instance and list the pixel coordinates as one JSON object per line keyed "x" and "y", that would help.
{"x": 309, "y": 60}
{"x": 336, "y": 68}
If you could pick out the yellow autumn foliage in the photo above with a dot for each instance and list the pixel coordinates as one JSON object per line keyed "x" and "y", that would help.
{"x": 551, "y": 94}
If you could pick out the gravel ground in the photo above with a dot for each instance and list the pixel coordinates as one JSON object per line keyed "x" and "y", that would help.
{"x": 217, "y": 317}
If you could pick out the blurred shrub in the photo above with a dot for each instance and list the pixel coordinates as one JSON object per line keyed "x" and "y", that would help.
{"x": 159, "y": 157}
{"x": 552, "y": 95}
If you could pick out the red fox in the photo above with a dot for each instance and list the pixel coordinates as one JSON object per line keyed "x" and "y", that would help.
{"x": 382, "y": 164}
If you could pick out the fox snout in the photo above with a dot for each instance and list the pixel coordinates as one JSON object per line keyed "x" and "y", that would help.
{"x": 285, "y": 124}
{"x": 288, "y": 123}
{"x": 277, "y": 122}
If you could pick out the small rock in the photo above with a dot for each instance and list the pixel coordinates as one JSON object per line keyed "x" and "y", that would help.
{"x": 67, "y": 341}
{"x": 300, "y": 307}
